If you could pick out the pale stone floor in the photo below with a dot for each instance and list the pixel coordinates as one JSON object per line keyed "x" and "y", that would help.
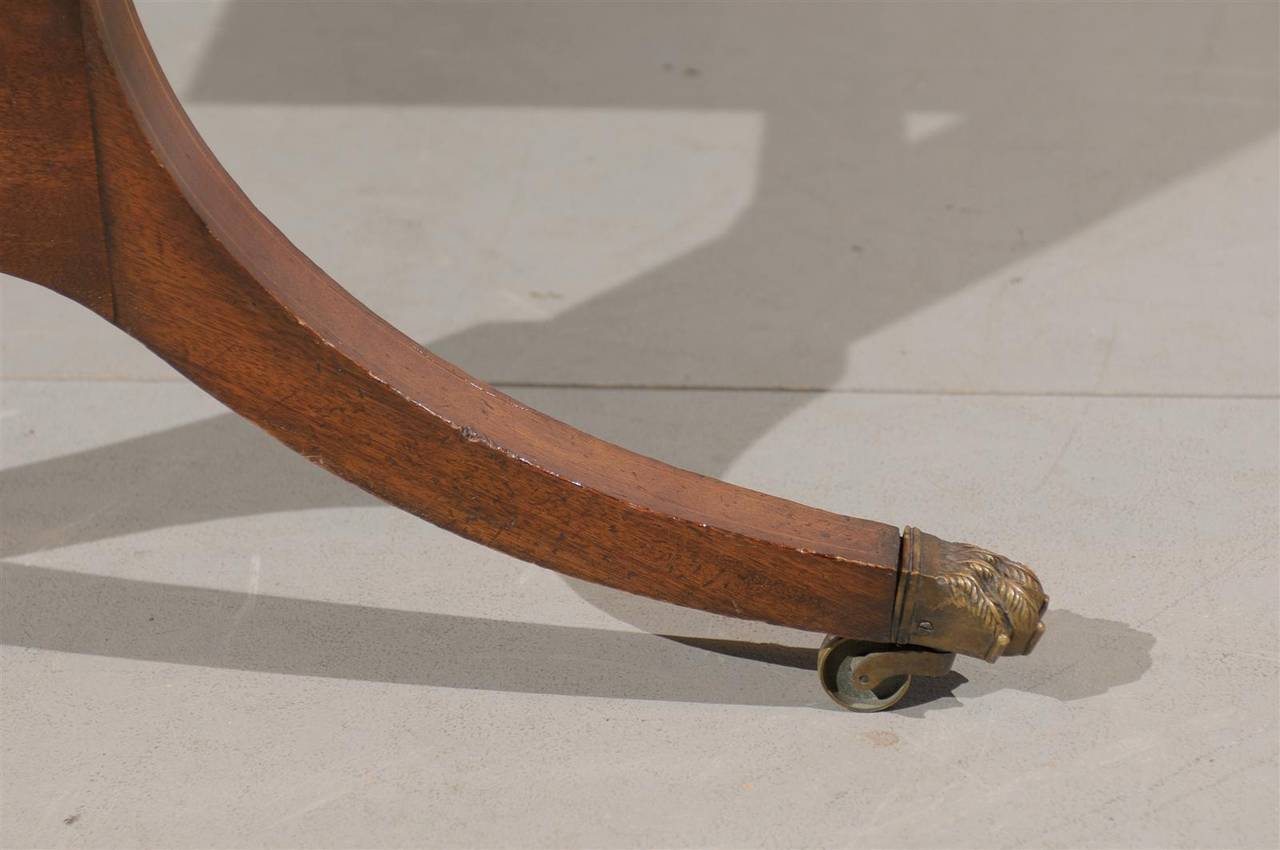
{"x": 1006, "y": 271}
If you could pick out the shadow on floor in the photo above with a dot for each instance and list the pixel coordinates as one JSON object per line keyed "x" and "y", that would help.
{"x": 76, "y": 612}
{"x": 224, "y": 467}
{"x": 1080, "y": 657}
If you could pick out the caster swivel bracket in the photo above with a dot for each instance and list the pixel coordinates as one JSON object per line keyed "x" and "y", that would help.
{"x": 864, "y": 676}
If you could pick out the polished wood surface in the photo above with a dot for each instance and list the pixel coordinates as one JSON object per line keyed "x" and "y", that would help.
{"x": 51, "y": 229}
{"x": 129, "y": 213}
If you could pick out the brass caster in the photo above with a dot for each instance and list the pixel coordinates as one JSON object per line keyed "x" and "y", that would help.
{"x": 864, "y": 676}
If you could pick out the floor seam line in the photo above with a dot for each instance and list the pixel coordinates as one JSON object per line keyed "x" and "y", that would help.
{"x": 722, "y": 388}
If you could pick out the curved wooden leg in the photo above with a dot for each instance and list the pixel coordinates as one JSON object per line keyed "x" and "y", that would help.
{"x": 111, "y": 198}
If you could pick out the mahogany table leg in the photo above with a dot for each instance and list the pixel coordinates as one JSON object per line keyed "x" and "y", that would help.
{"x": 110, "y": 197}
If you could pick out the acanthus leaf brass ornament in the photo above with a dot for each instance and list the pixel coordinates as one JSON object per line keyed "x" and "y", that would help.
{"x": 962, "y": 598}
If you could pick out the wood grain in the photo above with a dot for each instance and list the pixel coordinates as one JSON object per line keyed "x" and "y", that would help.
{"x": 50, "y": 217}
{"x": 202, "y": 278}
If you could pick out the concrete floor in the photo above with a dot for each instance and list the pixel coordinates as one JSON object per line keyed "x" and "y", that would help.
{"x": 1004, "y": 271}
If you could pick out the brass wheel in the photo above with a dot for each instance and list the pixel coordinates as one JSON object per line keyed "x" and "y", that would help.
{"x": 837, "y": 660}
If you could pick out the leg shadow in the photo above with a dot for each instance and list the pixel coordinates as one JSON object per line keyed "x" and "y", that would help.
{"x": 211, "y": 469}
{"x": 1080, "y": 657}
{"x": 94, "y": 615}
